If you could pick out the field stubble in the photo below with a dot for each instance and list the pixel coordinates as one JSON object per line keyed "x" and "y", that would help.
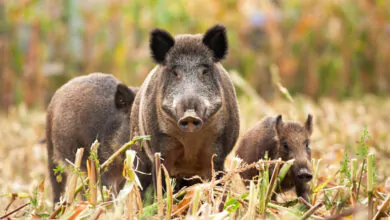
{"x": 338, "y": 128}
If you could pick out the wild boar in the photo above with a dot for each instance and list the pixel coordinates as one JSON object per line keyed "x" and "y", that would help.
{"x": 95, "y": 106}
{"x": 187, "y": 104}
{"x": 285, "y": 140}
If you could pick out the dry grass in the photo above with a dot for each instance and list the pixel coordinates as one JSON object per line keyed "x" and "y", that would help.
{"x": 339, "y": 127}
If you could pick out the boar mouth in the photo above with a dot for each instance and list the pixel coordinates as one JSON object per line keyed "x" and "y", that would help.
{"x": 304, "y": 175}
{"x": 190, "y": 122}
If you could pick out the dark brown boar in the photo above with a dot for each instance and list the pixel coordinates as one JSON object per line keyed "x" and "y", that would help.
{"x": 285, "y": 140}
{"x": 187, "y": 104}
{"x": 95, "y": 106}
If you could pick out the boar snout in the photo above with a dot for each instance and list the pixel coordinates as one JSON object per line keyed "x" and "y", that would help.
{"x": 190, "y": 122}
{"x": 190, "y": 113}
{"x": 304, "y": 175}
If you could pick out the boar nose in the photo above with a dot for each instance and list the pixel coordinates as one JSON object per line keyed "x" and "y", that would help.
{"x": 304, "y": 175}
{"x": 190, "y": 122}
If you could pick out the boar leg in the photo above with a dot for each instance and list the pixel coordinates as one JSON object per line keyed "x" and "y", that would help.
{"x": 143, "y": 164}
{"x": 160, "y": 143}
{"x": 221, "y": 149}
{"x": 57, "y": 187}
{"x": 113, "y": 177}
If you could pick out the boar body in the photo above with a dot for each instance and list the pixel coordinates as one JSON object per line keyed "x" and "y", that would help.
{"x": 95, "y": 106}
{"x": 188, "y": 106}
{"x": 285, "y": 140}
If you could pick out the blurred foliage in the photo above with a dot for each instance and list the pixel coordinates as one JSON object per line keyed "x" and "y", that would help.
{"x": 335, "y": 48}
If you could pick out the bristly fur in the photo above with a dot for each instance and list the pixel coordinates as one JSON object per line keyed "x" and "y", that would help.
{"x": 281, "y": 139}
{"x": 94, "y": 106}
{"x": 215, "y": 38}
{"x": 189, "y": 81}
{"x": 160, "y": 43}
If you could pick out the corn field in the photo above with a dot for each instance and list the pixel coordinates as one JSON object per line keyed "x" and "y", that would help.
{"x": 290, "y": 57}
{"x": 336, "y": 48}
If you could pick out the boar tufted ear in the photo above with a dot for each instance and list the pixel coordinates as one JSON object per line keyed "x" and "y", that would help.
{"x": 160, "y": 43}
{"x": 124, "y": 96}
{"x": 309, "y": 124}
{"x": 278, "y": 125}
{"x": 215, "y": 39}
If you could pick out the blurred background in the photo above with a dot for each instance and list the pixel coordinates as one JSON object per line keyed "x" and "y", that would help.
{"x": 331, "y": 56}
{"x": 337, "y": 48}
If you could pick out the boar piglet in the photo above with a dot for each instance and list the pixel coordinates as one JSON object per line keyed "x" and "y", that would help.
{"x": 187, "y": 104}
{"x": 285, "y": 140}
{"x": 95, "y": 106}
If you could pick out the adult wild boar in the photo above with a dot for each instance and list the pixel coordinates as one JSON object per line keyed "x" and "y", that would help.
{"x": 95, "y": 106}
{"x": 187, "y": 104}
{"x": 285, "y": 140}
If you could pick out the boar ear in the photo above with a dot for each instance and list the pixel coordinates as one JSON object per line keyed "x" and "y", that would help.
{"x": 160, "y": 43}
{"x": 215, "y": 39}
{"x": 278, "y": 124}
{"x": 309, "y": 124}
{"x": 124, "y": 96}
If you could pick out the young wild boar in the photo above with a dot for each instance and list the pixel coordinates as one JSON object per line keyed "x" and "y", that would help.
{"x": 187, "y": 104}
{"x": 285, "y": 140}
{"x": 95, "y": 106}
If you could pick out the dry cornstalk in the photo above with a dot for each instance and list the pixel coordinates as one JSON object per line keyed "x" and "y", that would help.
{"x": 302, "y": 200}
{"x": 383, "y": 207}
{"x": 12, "y": 200}
{"x": 70, "y": 189}
{"x": 122, "y": 150}
{"x": 211, "y": 194}
{"x": 353, "y": 178}
{"x": 139, "y": 200}
{"x": 157, "y": 162}
{"x": 91, "y": 168}
{"x": 169, "y": 193}
{"x": 56, "y": 211}
{"x": 252, "y": 200}
{"x": 41, "y": 195}
{"x": 272, "y": 183}
{"x": 130, "y": 205}
{"x": 15, "y": 210}
{"x": 131, "y": 200}
{"x": 196, "y": 200}
{"x": 311, "y": 211}
{"x": 97, "y": 214}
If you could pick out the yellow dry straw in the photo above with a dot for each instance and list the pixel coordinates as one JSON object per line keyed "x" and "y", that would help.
{"x": 131, "y": 177}
{"x": 169, "y": 193}
{"x": 252, "y": 201}
{"x": 70, "y": 190}
{"x": 196, "y": 200}
{"x": 157, "y": 162}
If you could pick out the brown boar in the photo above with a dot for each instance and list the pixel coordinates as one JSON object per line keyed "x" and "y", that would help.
{"x": 285, "y": 140}
{"x": 95, "y": 106}
{"x": 187, "y": 104}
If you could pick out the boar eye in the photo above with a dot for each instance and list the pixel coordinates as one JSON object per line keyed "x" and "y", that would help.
{"x": 206, "y": 69}
{"x": 174, "y": 72}
{"x": 307, "y": 146}
{"x": 285, "y": 146}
